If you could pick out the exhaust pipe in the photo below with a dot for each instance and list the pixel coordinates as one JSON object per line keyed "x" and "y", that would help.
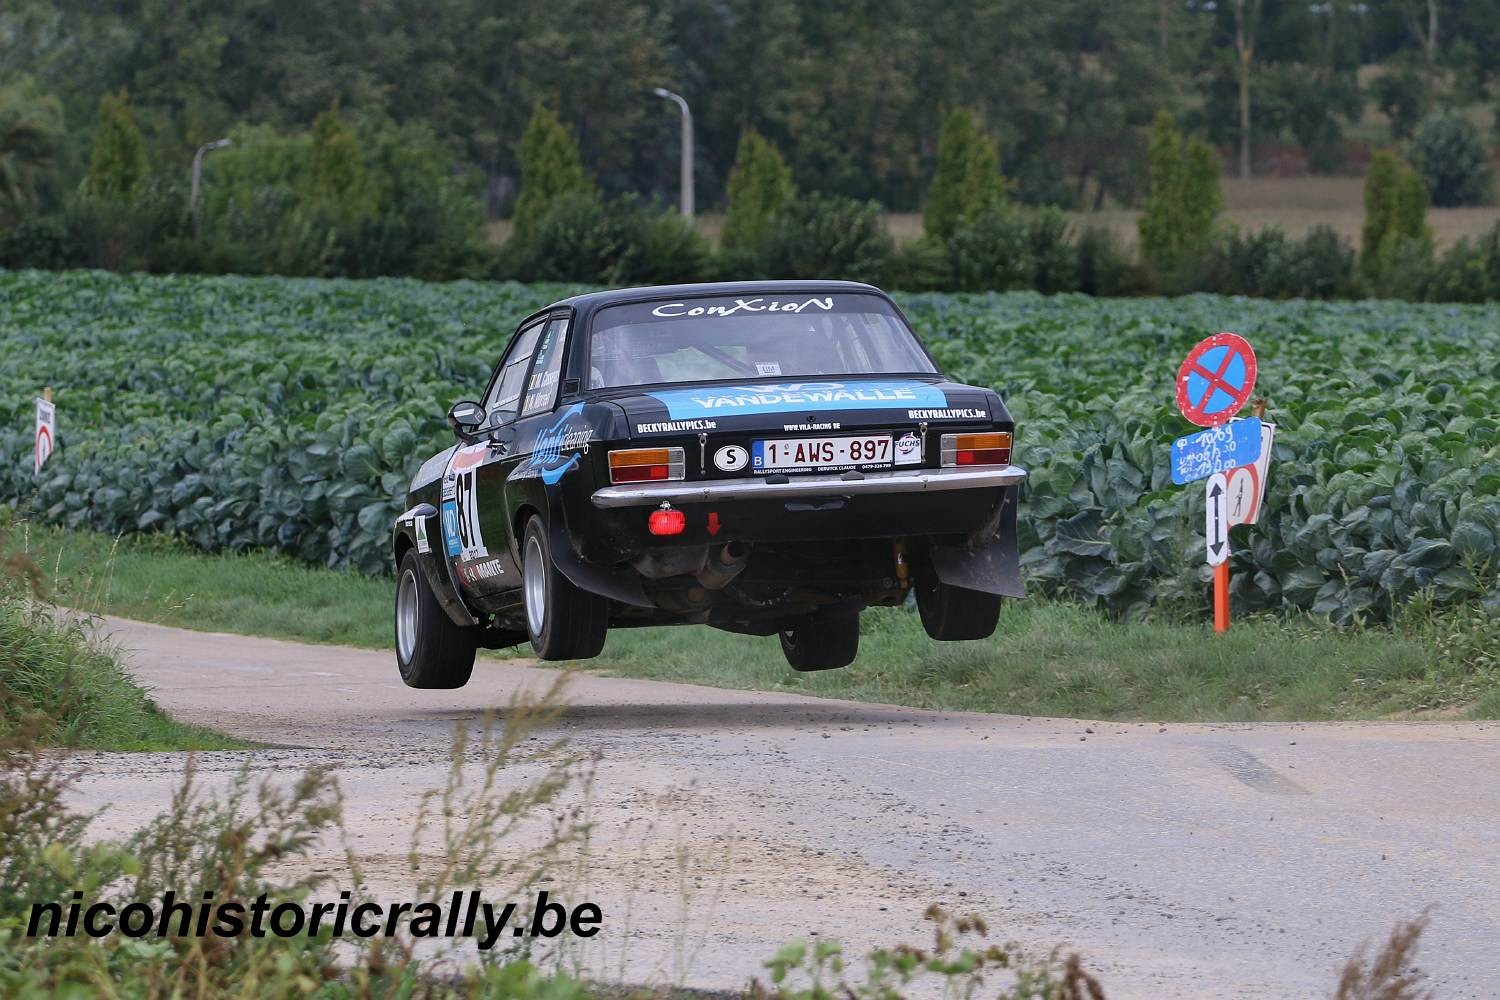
{"x": 722, "y": 568}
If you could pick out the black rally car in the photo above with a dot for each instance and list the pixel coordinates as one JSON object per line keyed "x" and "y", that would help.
{"x": 761, "y": 457}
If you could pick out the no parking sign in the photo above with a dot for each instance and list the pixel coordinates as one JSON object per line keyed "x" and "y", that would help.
{"x": 46, "y": 431}
{"x": 1216, "y": 379}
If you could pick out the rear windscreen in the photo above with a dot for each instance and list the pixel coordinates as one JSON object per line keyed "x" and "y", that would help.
{"x": 750, "y": 337}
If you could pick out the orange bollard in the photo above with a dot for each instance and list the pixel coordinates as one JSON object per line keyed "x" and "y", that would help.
{"x": 1221, "y": 597}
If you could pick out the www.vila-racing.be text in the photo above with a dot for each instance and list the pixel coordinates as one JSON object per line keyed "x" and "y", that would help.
{"x": 465, "y": 914}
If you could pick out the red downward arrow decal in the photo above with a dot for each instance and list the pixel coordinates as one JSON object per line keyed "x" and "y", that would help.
{"x": 713, "y": 522}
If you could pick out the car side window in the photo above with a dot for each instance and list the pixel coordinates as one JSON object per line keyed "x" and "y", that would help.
{"x": 504, "y": 400}
{"x": 546, "y": 374}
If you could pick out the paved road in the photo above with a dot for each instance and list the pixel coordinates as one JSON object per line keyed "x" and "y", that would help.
{"x": 1203, "y": 861}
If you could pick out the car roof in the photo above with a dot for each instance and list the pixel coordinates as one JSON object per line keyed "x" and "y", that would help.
{"x": 587, "y": 302}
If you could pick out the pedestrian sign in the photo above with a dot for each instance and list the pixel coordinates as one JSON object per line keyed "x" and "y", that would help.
{"x": 46, "y": 432}
{"x": 1247, "y": 483}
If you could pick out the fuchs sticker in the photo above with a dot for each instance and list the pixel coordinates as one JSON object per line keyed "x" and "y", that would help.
{"x": 421, "y": 530}
{"x": 908, "y": 450}
{"x": 792, "y": 397}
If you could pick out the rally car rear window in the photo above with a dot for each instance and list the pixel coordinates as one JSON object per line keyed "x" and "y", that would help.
{"x": 750, "y": 337}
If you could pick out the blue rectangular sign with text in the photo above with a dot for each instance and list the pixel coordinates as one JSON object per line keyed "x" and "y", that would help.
{"x": 1217, "y": 449}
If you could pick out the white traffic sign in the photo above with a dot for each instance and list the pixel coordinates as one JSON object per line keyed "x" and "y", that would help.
{"x": 1216, "y": 519}
{"x": 46, "y": 431}
{"x": 1247, "y": 483}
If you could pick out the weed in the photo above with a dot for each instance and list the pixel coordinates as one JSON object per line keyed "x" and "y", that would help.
{"x": 1392, "y": 975}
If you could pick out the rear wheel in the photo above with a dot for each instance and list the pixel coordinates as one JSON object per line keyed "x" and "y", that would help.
{"x": 562, "y": 621}
{"x": 431, "y": 651}
{"x": 823, "y": 644}
{"x": 951, "y": 613}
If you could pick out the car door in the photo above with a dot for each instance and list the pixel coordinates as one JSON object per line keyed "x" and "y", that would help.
{"x": 533, "y": 446}
{"x": 483, "y": 564}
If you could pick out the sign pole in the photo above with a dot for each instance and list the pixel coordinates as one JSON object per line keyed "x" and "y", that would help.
{"x": 1221, "y": 597}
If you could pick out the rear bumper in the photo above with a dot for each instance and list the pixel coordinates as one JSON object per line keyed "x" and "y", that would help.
{"x": 858, "y": 484}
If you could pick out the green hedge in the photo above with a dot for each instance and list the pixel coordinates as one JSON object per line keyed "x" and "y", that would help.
{"x": 291, "y": 413}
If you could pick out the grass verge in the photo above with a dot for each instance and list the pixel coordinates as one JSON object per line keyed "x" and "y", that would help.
{"x": 1046, "y": 658}
{"x": 64, "y": 688}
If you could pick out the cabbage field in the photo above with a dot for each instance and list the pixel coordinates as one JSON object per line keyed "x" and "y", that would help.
{"x": 290, "y": 414}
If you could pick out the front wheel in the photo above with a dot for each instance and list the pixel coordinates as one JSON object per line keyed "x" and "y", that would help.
{"x": 824, "y": 644}
{"x": 951, "y": 613}
{"x": 563, "y": 621}
{"x": 431, "y": 651}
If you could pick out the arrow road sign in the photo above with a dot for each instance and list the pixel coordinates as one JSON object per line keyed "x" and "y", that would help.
{"x": 1216, "y": 519}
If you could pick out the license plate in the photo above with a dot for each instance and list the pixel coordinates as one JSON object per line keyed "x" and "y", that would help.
{"x": 822, "y": 453}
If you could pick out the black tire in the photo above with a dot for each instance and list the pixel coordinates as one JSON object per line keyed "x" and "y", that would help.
{"x": 824, "y": 644}
{"x": 431, "y": 651}
{"x": 562, "y": 621}
{"x": 952, "y": 613}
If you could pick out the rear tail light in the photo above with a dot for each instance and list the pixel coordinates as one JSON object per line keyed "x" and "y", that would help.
{"x": 644, "y": 465}
{"x": 976, "y": 449}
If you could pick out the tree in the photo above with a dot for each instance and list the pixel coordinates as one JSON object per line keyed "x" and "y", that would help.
{"x": 1449, "y": 152}
{"x": 760, "y": 185}
{"x": 1246, "y": 21}
{"x": 1178, "y": 220}
{"x": 1395, "y": 214}
{"x": 1401, "y": 95}
{"x": 550, "y": 169}
{"x": 338, "y": 185}
{"x": 968, "y": 180}
{"x": 31, "y": 132}
{"x": 117, "y": 162}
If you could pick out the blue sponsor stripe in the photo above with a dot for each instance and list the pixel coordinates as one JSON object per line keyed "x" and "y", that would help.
{"x": 797, "y": 397}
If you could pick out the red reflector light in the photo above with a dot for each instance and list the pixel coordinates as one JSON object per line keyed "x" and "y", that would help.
{"x": 983, "y": 456}
{"x": 666, "y": 522}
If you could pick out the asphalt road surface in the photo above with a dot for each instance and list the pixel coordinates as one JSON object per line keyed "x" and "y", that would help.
{"x": 1180, "y": 860}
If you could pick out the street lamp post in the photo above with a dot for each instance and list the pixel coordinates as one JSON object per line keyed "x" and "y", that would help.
{"x": 687, "y": 148}
{"x": 198, "y": 168}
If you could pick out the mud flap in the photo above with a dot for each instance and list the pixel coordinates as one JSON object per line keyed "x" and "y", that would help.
{"x": 622, "y": 586}
{"x": 994, "y": 565}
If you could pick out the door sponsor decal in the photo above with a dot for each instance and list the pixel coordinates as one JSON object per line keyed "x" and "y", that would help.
{"x": 547, "y": 459}
{"x": 791, "y": 397}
